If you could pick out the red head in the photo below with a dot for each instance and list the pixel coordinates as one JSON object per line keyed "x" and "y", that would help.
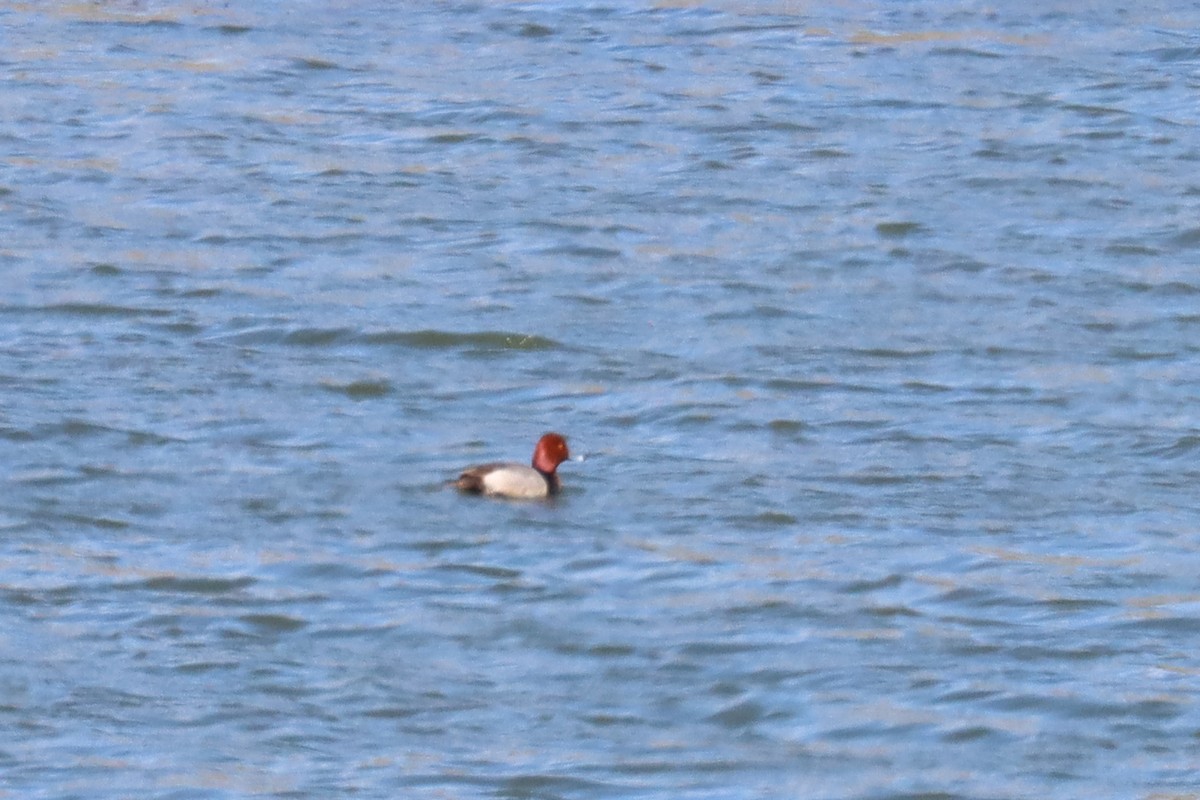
{"x": 551, "y": 451}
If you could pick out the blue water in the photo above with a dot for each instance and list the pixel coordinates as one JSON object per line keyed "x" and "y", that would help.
{"x": 875, "y": 327}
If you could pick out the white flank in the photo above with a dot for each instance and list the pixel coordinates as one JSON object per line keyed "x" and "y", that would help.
{"x": 515, "y": 480}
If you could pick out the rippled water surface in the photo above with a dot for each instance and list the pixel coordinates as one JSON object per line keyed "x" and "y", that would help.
{"x": 877, "y": 325}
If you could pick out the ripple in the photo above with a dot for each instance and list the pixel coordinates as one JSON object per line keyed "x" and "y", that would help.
{"x": 317, "y": 337}
{"x": 1183, "y": 446}
{"x": 899, "y": 229}
{"x": 361, "y": 389}
{"x": 194, "y": 584}
{"x": 316, "y": 64}
{"x": 544, "y": 785}
{"x": 485, "y": 340}
{"x": 96, "y": 309}
{"x": 274, "y": 623}
{"x": 742, "y": 714}
{"x": 482, "y": 570}
{"x": 966, "y": 734}
{"x": 430, "y": 339}
{"x": 1189, "y": 238}
{"x": 766, "y": 519}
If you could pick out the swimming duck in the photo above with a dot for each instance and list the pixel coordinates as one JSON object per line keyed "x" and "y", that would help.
{"x": 518, "y": 480}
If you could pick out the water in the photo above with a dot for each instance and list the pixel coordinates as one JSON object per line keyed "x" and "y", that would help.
{"x": 875, "y": 323}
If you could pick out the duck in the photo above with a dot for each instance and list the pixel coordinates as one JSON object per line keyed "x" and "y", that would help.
{"x": 517, "y": 480}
